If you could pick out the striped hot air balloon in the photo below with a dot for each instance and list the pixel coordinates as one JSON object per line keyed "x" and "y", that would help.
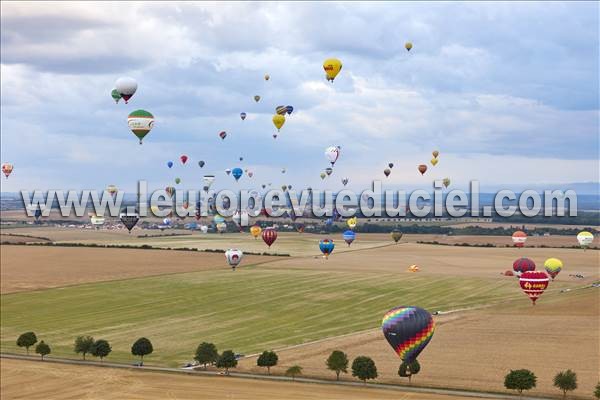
{"x": 326, "y": 246}
{"x": 534, "y": 283}
{"x": 553, "y": 266}
{"x": 269, "y": 235}
{"x": 519, "y": 238}
{"x": 408, "y": 330}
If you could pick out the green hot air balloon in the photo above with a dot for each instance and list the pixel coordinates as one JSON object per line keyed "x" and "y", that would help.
{"x": 177, "y": 181}
{"x": 115, "y": 95}
{"x": 140, "y": 122}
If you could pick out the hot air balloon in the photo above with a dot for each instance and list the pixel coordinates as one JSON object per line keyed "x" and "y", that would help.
{"x": 289, "y": 109}
{"x": 167, "y": 221}
{"x": 234, "y": 257}
{"x": 349, "y": 237}
{"x": 129, "y": 219}
{"x": 326, "y": 246}
{"x": 289, "y": 187}
{"x": 391, "y": 165}
{"x": 203, "y": 228}
{"x": 274, "y": 136}
{"x": 519, "y": 238}
{"x": 221, "y": 227}
{"x": 446, "y": 182}
{"x": 553, "y": 266}
{"x": 352, "y": 222}
{"x": 408, "y": 46}
{"x": 387, "y": 172}
{"x": 237, "y": 173}
{"x": 523, "y": 264}
{"x": 413, "y": 268}
{"x": 115, "y": 95}
{"x": 228, "y": 171}
{"x": 281, "y": 110}
{"x": 97, "y": 221}
{"x": 183, "y": 159}
{"x": 207, "y": 180}
{"x": 243, "y": 116}
{"x": 250, "y": 174}
{"x": 241, "y": 158}
{"x": 435, "y": 153}
{"x": 408, "y": 330}
{"x": 282, "y": 171}
{"x": 332, "y": 67}
{"x": 584, "y": 238}
{"x": 7, "y": 168}
{"x": 112, "y": 190}
{"x": 278, "y": 121}
{"x": 422, "y": 168}
{"x": 170, "y": 164}
{"x": 217, "y": 219}
{"x": 141, "y": 123}
{"x": 396, "y": 235}
{"x": 283, "y": 187}
{"x": 434, "y": 161}
{"x": 126, "y": 87}
{"x": 201, "y": 163}
{"x": 267, "y": 77}
{"x": 177, "y": 181}
{"x": 170, "y": 190}
{"x": 344, "y": 181}
{"x": 332, "y": 153}
{"x": 222, "y": 135}
{"x": 323, "y": 175}
{"x": 269, "y": 235}
{"x": 255, "y": 231}
{"x": 257, "y": 98}
{"x": 534, "y": 283}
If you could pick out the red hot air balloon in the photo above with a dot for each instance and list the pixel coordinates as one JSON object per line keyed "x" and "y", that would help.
{"x": 183, "y": 159}
{"x": 534, "y": 283}
{"x": 522, "y": 265}
{"x": 519, "y": 238}
{"x": 269, "y": 235}
{"x": 222, "y": 135}
{"x": 422, "y": 169}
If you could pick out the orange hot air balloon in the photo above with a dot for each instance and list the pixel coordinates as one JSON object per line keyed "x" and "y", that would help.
{"x": 255, "y": 231}
{"x": 422, "y": 168}
{"x": 519, "y": 238}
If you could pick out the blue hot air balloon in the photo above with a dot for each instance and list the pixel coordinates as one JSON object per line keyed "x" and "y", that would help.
{"x": 349, "y": 237}
{"x": 289, "y": 109}
{"x": 326, "y": 246}
{"x": 237, "y": 173}
{"x": 170, "y": 164}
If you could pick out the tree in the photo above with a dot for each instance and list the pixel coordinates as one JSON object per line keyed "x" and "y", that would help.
{"x": 101, "y": 348}
{"x": 597, "y": 391}
{"x": 566, "y": 381}
{"x": 293, "y": 371}
{"x": 83, "y": 345}
{"x": 27, "y": 340}
{"x": 42, "y": 349}
{"x": 409, "y": 369}
{"x": 142, "y": 347}
{"x": 519, "y": 380}
{"x": 338, "y": 362}
{"x": 267, "y": 359}
{"x": 364, "y": 368}
{"x": 227, "y": 360}
{"x": 206, "y": 353}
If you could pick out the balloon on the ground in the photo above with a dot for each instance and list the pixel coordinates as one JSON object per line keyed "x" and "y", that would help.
{"x": 141, "y": 123}
{"x": 332, "y": 67}
{"x": 126, "y": 87}
{"x": 534, "y": 283}
{"x": 234, "y": 257}
{"x": 553, "y": 266}
{"x": 584, "y": 238}
{"x": 413, "y": 268}
{"x": 396, "y": 235}
{"x": 269, "y": 235}
{"x": 326, "y": 246}
{"x": 349, "y": 237}
{"x": 221, "y": 227}
{"x": 255, "y": 231}
{"x": 522, "y": 265}
{"x": 352, "y": 222}
{"x": 408, "y": 330}
{"x": 7, "y": 169}
{"x": 278, "y": 121}
{"x": 332, "y": 153}
{"x": 115, "y": 95}
{"x": 519, "y": 238}
{"x": 422, "y": 168}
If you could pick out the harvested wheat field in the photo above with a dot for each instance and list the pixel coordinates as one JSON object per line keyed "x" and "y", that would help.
{"x": 36, "y": 380}
{"x": 475, "y": 349}
{"x": 25, "y": 268}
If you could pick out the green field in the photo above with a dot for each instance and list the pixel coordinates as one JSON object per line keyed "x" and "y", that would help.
{"x": 248, "y": 311}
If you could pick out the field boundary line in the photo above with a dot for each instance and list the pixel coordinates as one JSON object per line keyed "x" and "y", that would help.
{"x": 276, "y": 378}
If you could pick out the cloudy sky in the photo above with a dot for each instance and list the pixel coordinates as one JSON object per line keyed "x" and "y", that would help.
{"x": 507, "y": 92}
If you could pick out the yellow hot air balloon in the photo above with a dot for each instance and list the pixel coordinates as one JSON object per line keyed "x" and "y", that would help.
{"x": 278, "y": 121}
{"x": 408, "y": 46}
{"x": 553, "y": 266}
{"x": 352, "y": 222}
{"x": 434, "y": 161}
{"x": 255, "y": 231}
{"x": 332, "y": 67}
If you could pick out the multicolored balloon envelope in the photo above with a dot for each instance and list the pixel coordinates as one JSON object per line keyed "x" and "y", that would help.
{"x": 269, "y": 235}
{"x": 408, "y": 330}
{"x": 349, "y": 237}
{"x": 519, "y": 238}
{"x": 7, "y": 168}
{"x": 141, "y": 123}
{"x": 523, "y": 265}
{"x": 129, "y": 219}
{"x": 234, "y": 257}
{"x": 326, "y": 246}
{"x": 534, "y": 283}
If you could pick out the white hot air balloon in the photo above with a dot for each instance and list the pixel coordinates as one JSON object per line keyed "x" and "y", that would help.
{"x": 332, "y": 153}
{"x": 126, "y": 87}
{"x": 234, "y": 257}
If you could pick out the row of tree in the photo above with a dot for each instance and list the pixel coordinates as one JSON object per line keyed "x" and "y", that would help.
{"x": 363, "y": 367}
